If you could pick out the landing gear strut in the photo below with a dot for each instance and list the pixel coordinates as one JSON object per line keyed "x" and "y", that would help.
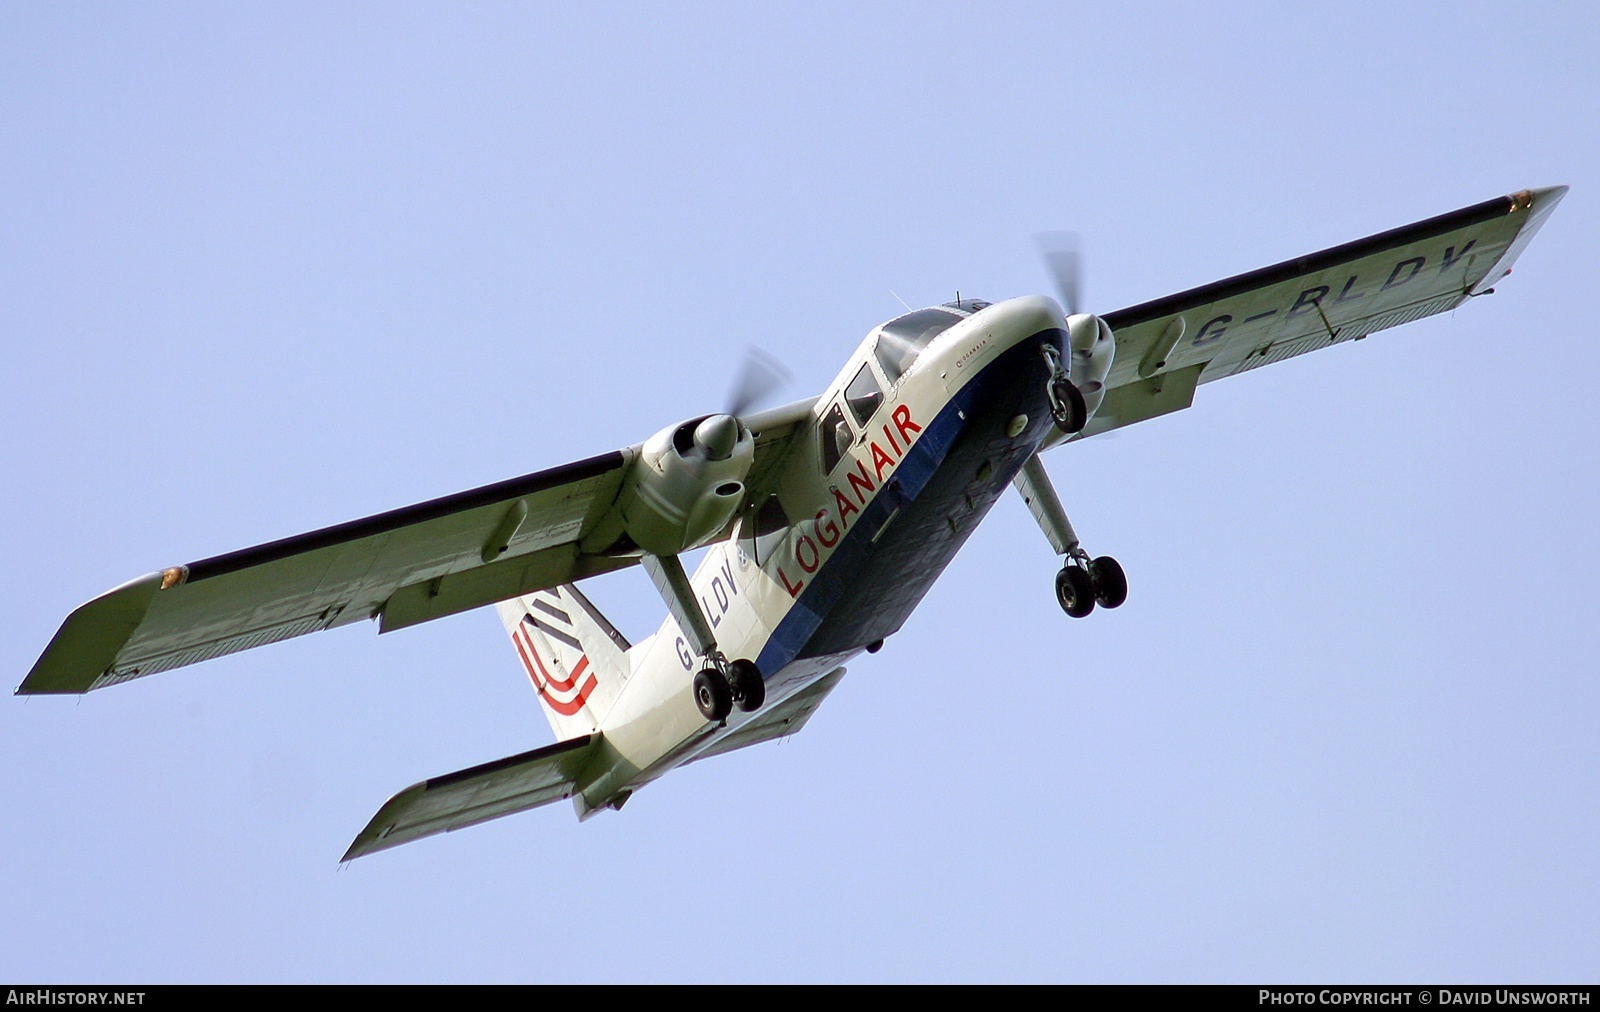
{"x": 722, "y": 683}
{"x": 1082, "y": 582}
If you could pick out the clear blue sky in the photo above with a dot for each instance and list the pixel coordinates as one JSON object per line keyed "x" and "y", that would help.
{"x": 267, "y": 268}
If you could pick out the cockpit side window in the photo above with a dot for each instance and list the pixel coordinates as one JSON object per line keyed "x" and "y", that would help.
{"x": 835, "y": 435}
{"x": 903, "y": 338}
{"x": 863, "y": 395}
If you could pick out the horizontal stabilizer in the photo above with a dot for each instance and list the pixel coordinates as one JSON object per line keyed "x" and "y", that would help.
{"x": 782, "y": 720}
{"x": 468, "y": 797}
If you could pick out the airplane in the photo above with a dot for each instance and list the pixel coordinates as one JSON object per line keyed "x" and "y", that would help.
{"x": 824, "y": 522}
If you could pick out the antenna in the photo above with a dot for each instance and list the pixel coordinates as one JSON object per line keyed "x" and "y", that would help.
{"x": 898, "y": 299}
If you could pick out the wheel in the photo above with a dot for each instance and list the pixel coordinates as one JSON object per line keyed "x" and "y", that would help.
{"x": 1073, "y": 413}
{"x": 712, "y": 695}
{"x": 1110, "y": 586}
{"x": 749, "y": 689}
{"x": 1075, "y": 591}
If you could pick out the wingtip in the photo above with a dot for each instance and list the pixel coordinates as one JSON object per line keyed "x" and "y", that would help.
{"x": 1540, "y": 203}
{"x": 28, "y": 689}
{"x": 365, "y": 843}
{"x": 1541, "y": 197}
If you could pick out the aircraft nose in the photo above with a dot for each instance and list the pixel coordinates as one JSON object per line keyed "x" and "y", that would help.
{"x": 1030, "y": 314}
{"x": 1014, "y": 321}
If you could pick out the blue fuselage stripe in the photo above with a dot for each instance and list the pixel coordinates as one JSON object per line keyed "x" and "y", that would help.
{"x": 915, "y": 470}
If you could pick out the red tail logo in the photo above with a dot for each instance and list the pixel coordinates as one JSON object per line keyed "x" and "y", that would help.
{"x": 565, "y": 696}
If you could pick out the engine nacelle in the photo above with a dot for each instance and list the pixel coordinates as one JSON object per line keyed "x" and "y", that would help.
{"x": 1093, "y": 349}
{"x": 686, "y": 484}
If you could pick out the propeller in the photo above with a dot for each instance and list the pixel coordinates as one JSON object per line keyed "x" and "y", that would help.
{"x": 760, "y": 376}
{"x": 1062, "y": 252}
{"x": 1091, "y": 346}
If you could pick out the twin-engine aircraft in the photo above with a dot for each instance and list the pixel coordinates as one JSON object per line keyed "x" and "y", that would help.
{"x": 826, "y": 520}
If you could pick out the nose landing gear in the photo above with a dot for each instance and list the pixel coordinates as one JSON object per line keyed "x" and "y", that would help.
{"x": 1067, "y": 406}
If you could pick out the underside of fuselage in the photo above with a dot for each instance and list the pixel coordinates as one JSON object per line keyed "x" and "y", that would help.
{"x": 963, "y": 459}
{"x": 921, "y": 517}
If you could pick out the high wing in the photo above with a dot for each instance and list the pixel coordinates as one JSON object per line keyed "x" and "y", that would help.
{"x": 403, "y": 567}
{"x": 1167, "y": 347}
{"x": 468, "y": 797}
{"x": 773, "y": 430}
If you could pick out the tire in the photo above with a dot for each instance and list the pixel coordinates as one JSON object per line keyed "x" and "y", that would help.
{"x": 712, "y": 695}
{"x": 1110, "y": 585}
{"x": 749, "y": 688}
{"x": 1074, "y": 413}
{"x": 1075, "y": 591}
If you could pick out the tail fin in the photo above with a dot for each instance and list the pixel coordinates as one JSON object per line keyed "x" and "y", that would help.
{"x": 576, "y": 660}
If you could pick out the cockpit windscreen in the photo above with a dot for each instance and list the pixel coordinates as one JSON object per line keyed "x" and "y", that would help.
{"x": 901, "y": 339}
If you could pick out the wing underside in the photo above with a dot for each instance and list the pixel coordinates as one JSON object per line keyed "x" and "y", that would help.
{"x": 403, "y": 567}
{"x": 1167, "y": 347}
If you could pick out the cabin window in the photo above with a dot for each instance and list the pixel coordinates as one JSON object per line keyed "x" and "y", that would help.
{"x": 863, "y": 395}
{"x": 836, "y": 437}
{"x": 902, "y": 339}
{"x": 767, "y": 528}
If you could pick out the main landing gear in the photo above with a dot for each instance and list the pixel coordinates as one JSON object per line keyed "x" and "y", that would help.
{"x": 1083, "y": 582}
{"x": 716, "y": 694}
{"x": 722, "y": 684}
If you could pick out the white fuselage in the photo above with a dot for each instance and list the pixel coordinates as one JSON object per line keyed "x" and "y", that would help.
{"x": 766, "y": 598}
